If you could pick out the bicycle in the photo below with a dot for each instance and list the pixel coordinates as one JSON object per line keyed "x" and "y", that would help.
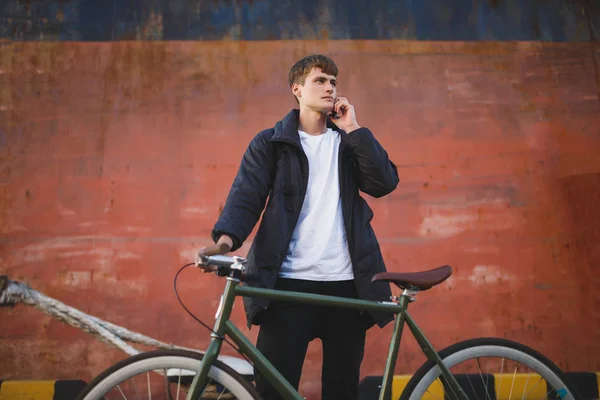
{"x": 202, "y": 376}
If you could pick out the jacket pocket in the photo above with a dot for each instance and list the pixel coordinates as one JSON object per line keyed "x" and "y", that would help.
{"x": 367, "y": 211}
{"x": 366, "y": 241}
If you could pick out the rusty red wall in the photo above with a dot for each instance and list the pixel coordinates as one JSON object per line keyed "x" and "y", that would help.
{"x": 116, "y": 159}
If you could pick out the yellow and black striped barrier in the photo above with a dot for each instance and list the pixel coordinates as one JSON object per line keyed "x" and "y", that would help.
{"x": 40, "y": 390}
{"x": 587, "y": 385}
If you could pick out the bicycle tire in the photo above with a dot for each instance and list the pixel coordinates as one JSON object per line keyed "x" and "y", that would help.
{"x": 488, "y": 347}
{"x": 239, "y": 386}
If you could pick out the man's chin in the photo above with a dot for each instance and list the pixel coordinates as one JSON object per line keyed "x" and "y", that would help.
{"x": 322, "y": 110}
{"x": 326, "y": 110}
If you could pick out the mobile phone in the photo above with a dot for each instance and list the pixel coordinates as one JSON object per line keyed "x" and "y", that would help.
{"x": 334, "y": 114}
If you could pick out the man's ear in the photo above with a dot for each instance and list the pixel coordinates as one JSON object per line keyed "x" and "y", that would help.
{"x": 296, "y": 90}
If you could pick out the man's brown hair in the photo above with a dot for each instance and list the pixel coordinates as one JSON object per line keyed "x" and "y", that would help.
{"x": 302, "y": 68}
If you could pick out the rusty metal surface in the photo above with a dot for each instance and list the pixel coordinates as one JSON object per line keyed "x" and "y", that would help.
{"x": 107, "y": 20}
{"x": 115, "y": 160}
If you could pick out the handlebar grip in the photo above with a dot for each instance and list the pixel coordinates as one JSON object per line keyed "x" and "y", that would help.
{"x": 219, "y": 260}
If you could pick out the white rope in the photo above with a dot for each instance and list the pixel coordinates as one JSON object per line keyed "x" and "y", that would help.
{"x": 12, "y": 293}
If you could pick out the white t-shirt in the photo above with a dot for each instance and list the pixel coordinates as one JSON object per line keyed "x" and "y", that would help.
{"x": 318, "y": 249}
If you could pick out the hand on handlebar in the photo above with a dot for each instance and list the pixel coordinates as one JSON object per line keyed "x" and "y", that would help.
{"x": 222, "y": 246}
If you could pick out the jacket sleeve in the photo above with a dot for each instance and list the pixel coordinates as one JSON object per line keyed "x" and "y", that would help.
{"x": 377, "y": 175}
{"x": 248, "y": 193}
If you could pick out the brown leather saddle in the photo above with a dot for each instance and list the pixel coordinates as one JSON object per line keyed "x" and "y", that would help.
{"x": 415, "y": 280}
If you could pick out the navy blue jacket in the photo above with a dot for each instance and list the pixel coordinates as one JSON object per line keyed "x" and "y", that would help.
{"x": 274, "y": 170}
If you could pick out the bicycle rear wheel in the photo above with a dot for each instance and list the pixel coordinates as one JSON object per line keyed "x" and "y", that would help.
{"x": 166, "y": 375}
{"x": 491, "y": 368}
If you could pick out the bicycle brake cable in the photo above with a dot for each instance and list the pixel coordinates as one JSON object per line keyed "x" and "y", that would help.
{"x": 198, "y": 320}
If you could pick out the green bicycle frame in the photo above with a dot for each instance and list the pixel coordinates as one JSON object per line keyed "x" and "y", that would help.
{"x": 223, "y": 326}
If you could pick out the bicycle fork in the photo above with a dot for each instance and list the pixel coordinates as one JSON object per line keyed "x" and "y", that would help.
{"x": 200, "y": 381}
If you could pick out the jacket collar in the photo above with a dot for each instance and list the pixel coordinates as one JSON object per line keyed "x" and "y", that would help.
{"x": 287, "y": 129}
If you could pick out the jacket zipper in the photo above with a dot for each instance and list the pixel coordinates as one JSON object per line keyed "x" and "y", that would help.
{"x": 304, "y": 187}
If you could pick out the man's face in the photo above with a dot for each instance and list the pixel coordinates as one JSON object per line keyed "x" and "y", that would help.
{"x": 318, "y": 91}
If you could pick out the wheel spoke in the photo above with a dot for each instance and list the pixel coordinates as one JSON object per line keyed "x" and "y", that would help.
{"x": 178, "y": 384}
{"x": 433, "y": 394}
{"x": 487, "y": 377}
{"x": 122, "y": 394}
{"x": 526, "y": 382}
{"x": 501, "y": 369}
{"x": 221, "y": 394}
{"x": 533, "y": 388}
{"x": 137, "y": 395}
{"x": 513, "y": 382}
{"x": 166, "y": 380}
{"x": 487, "y": 393}
{"x": 449, "y": 387}
{"x": 149, "y": 390}
{"x": 466, "y": 374}
{"x": 548, "y": 394}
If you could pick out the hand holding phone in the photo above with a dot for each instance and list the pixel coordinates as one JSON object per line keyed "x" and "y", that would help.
{"x": 343, "y": 114}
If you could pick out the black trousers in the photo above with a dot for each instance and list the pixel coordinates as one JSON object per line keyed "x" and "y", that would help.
{"x": 288, "y": 328}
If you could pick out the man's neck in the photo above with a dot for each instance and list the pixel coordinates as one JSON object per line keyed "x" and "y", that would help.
{"x": 312, "y": 122}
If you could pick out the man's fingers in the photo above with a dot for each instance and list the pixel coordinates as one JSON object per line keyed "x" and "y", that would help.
{"x": 215, "y": 249}
{"x": 341, "y": 104}
{"x": 208, "y": 268}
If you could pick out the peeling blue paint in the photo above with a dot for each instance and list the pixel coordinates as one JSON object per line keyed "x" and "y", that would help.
{"x": 456, "y": 20}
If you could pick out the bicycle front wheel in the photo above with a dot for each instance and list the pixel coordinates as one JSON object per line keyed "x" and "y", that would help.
{"x": 166, "y": 375}
{"x": 491, "y": 368}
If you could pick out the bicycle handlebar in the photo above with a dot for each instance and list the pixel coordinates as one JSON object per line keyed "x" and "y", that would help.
{"x": 219, "y": 260}
{"x": 226, "y": 266}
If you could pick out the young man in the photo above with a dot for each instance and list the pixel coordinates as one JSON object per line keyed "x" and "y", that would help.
{"x": 315, "y": 235}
